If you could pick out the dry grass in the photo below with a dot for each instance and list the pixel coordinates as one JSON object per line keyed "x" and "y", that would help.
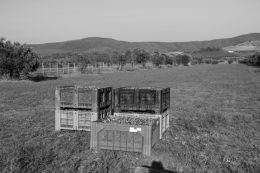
{"x": 214, "y": 125}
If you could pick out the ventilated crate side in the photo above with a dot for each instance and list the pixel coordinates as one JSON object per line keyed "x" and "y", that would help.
{"x": 165, "y": 121}
{"x": 164, "y": 118}
{"x": 94, "y": 98}
{"x": 108, "y": 96}
{"x": 103, "y": 113}
{"x": 165, "y": 99}
{"x": 77, "y": 119}
{"x": 64, "y": 119}
{"x": 66, "y": 97}
{"x": 57, "y": 120}
{"x": 57, "y": 99}
{"x": 89, "y": 98}
{"x": 84, "y": 120}
{"x": 124, "y": 137}
{"x": 149, "y": 100}
{"x": 155, "y": 100}
{"x": 104, "y": 97}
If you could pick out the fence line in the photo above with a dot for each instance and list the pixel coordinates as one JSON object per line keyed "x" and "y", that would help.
{"x": 71, "y": 68}
{"x": 68, "y": 69}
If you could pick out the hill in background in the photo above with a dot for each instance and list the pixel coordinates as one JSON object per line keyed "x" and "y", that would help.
{"x": 246, "y": 46}
{"x": 109, "y": 45}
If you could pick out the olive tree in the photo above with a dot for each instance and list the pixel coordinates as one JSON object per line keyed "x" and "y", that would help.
{"x": 17, "y": 60}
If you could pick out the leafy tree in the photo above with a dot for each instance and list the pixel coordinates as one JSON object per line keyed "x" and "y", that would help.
{"x": 210, "y": 49}
{"x": 129, "y": 56}
{"x": 182, "y": 59}
{"x": 119, "y": 59}
{"x": 84, "y": 61}
{"x": 157, "y": 59}
{"x": 122, "y": 59}
{"x": 17, "y": 60}
{"x": 141, "y": 56}
{"x": 115, "y": 57}
{"x": 254, "y": 59}
{"x": 168, "y": 60}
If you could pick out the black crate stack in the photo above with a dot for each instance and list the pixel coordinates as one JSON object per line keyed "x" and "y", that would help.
{"x": 77, "y": 106}
{"x": 143, "y": 102}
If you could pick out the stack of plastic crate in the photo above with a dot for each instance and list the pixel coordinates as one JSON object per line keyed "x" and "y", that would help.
{"x": 144, "y": 102}
{"x": 78, "y": 106}
{"x": 125, "y": 134}
{"x": 140, "y": 117}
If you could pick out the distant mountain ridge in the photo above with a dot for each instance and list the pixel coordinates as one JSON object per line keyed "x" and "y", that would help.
{"x": 108, "y": 44}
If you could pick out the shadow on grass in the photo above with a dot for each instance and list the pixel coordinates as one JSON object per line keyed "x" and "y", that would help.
{"x": 254, "y": 65}
{"x": 156, "y": 167}
{"x": 39, "y": 78}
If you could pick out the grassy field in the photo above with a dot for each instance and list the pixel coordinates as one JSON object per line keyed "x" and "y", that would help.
{"x": 214, "y": 124}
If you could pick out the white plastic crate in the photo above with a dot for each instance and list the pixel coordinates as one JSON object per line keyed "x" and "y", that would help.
{"x": 77, "y": 119}
{"x": 164, "y": 118}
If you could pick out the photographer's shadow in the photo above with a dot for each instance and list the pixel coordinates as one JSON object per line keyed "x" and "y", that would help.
{"x": 156, "y": 167}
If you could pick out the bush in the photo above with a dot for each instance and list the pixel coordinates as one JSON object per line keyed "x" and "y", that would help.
{"x": 141, "y": 56}
{"x": 156, "y": 59}
{"x": 230, "y": 61}
{"x": 16, "y": 60}
{"x": 182, "y": 60}
{"x": 168, "y": 60}
{"x": 254, "y": 59}
{"x": 214, "y": 62}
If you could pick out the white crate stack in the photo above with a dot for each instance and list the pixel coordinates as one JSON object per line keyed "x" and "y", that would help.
{"x": 78, "y": 106}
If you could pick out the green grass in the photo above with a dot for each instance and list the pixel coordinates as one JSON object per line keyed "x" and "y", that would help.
{"x": 214, "y": 125}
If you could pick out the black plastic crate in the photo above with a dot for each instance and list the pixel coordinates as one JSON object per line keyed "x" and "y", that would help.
{"x": 145, "y": 99}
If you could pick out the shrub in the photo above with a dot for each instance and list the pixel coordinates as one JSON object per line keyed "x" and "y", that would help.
{"x": 17, "y": 60}
{"x": 168, "y": 60}
{"x": 157, "y": 59}
{"x": 214, "y": 62}
{"x": 254, "y": 59}
{"x": 182, "y": 60}
{"x": 141, "y": 56}
{"x": 230, "y": 61}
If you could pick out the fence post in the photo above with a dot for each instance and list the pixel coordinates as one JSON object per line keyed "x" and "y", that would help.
{"x": 42, "y": 68}
{"x": 74, "y": 68}
{"x": 68, "y": 67}
{"x": 57, "y": 69}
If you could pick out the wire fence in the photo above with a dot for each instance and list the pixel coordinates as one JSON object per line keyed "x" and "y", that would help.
{"x": 70, "y": 68}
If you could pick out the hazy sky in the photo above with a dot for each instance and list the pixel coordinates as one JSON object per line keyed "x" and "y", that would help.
{"x": 40, "y": 21}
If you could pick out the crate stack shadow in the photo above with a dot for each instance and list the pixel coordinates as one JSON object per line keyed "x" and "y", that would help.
{"x": 78, "y": 106}
{"x": 140, "y": 117}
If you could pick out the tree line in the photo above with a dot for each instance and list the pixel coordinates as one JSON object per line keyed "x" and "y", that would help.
{"x": 131, "y": 56}
{"x": 18, "y": 60}
{"x": 252, "y": 59}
